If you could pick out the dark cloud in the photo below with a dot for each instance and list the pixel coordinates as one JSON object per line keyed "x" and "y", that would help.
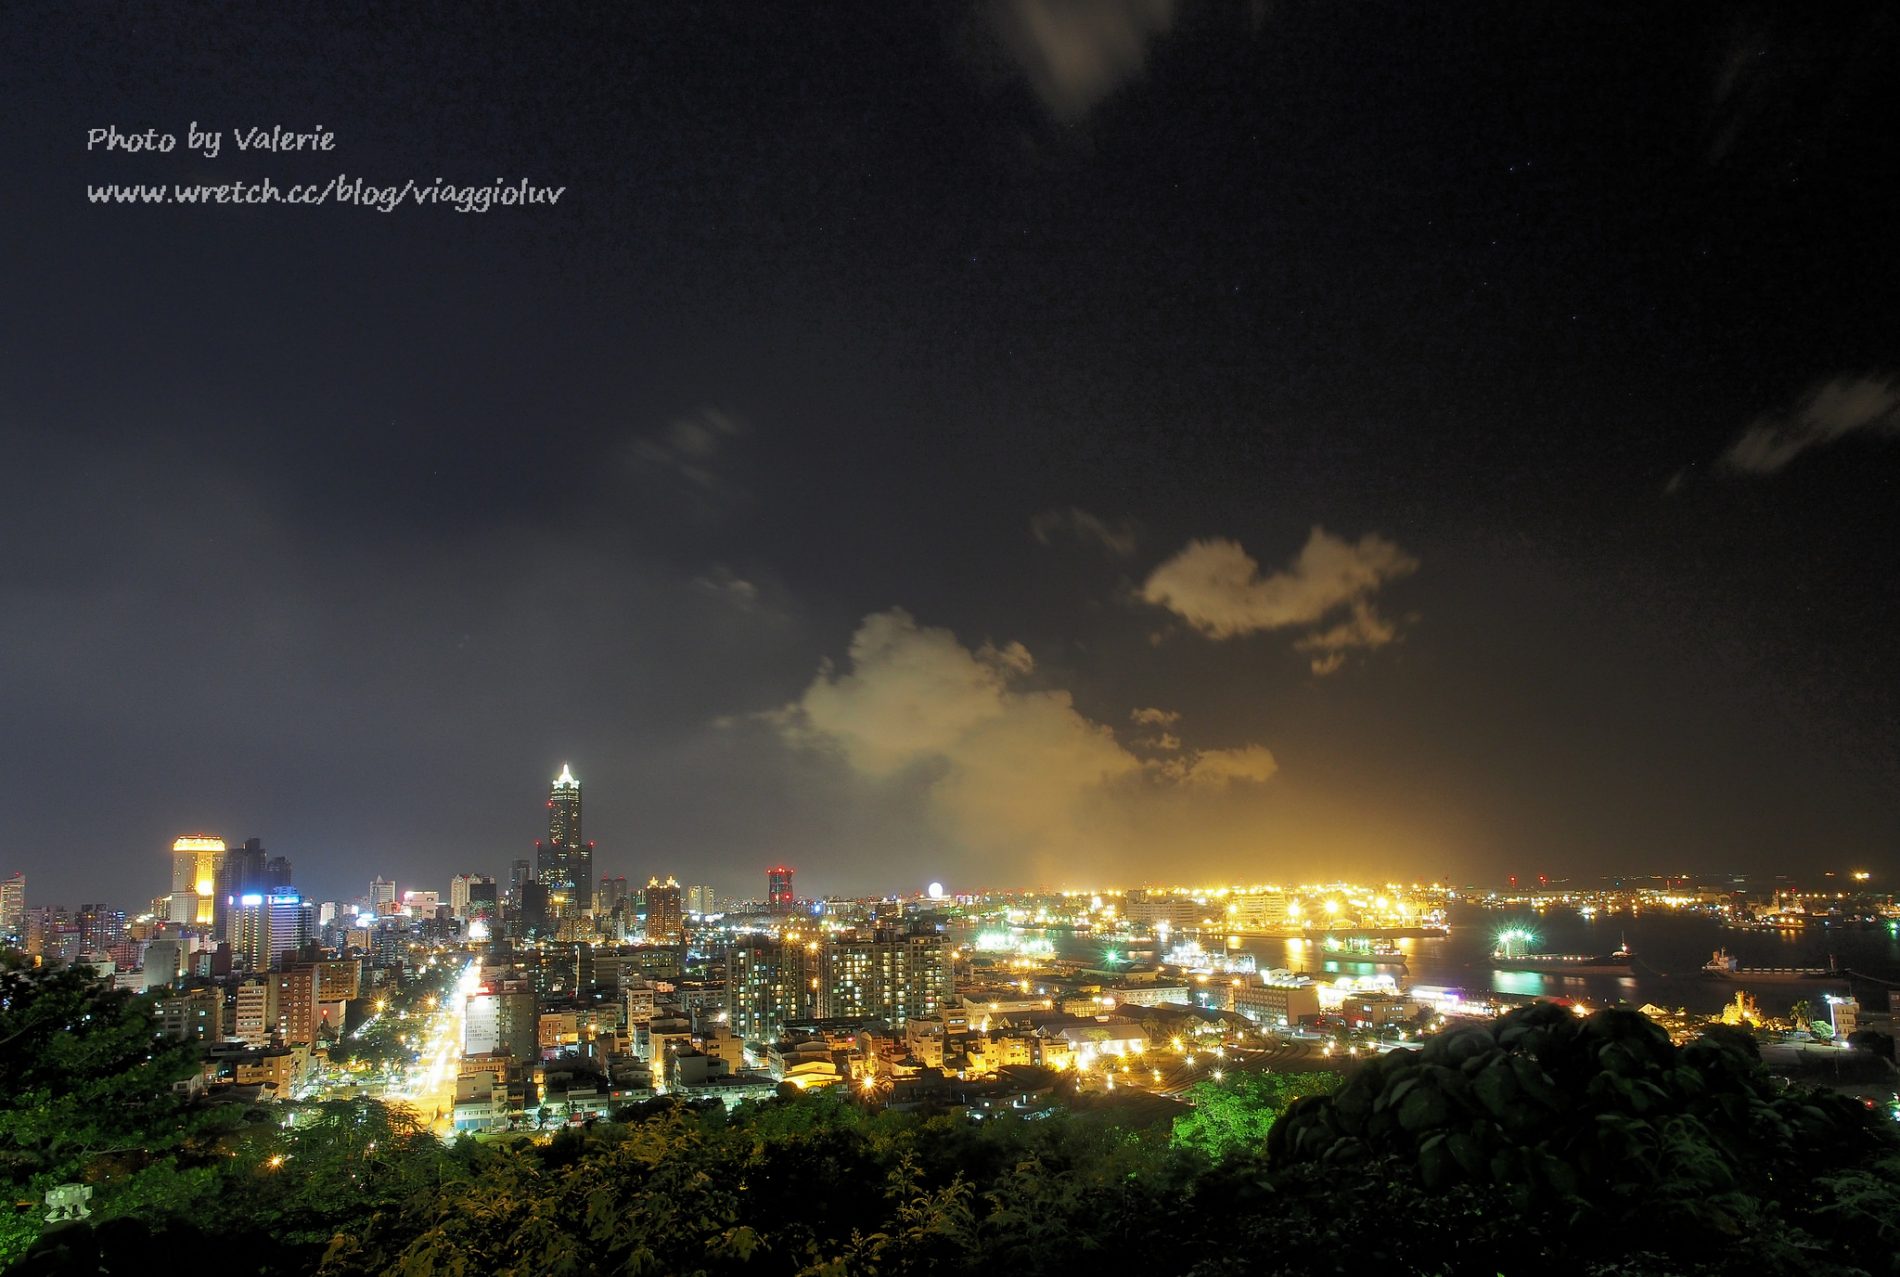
{"x": 346, "y": 529}
{"x": 1118, "y": 538}
{"x": 1830, "y": 412}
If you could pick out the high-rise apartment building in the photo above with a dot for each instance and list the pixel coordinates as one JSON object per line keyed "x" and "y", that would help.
{"x": 768, "y": 985}
{"x": 255, "y": 1018}
{"x": 891, "y": 975}
{"x": 700, "y": 901}
{"x": 564, "y": 864}
{"x": 778, "y": 889}
{"x": 664, "y": 920}
{"x": 502, "y": 1021}
{"x": 100, "y": 927}
{"x": 13, "y": 909}
{"x": 884, "y": 974}
{"x": 194, "y": 1016}
{"x": 311, "y": 997}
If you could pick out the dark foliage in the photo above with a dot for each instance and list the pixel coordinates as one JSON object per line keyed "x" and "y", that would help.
{"x": 1542, "y": 1143}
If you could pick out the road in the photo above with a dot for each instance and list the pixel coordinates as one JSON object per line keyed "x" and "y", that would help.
{"x": 428, "y": 1085}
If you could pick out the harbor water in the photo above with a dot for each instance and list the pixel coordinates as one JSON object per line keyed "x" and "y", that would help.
{"x": 1670, "y": 948}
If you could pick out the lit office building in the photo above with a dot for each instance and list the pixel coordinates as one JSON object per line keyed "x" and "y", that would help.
{"x": 197, "y": 865}
{"x": 382, "y": 896}
{"x": 564, "y": 864}
{"x": 264, "y": 928}
{"x": 663, "y": 910}
{"x": 458, "y": 896}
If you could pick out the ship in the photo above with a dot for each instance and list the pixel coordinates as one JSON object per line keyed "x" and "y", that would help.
{"x": 1510, "y": 955}
{"x": 1725, "y": 966}
{"x": 1363, "y": 951}
{"x": 1190, "y": 956}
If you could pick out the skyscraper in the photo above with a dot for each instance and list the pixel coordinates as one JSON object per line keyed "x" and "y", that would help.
{"x": 484, "y": 901}
{"x": 778, "y": 889}
{"x": 264, "y": 928}
{"x": 197, "y": 864}
{"x": 382, "y": 893}
{"x": 462, "y": 894}
{"x": 565, "y": 862}
{"x": 247, "y": 869}
{"x": 534, "y": 913}
{"x": 611, "y": 891}
{"x": 663, "y": 910}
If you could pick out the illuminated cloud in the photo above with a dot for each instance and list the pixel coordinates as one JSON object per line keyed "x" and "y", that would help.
{"x": 1830, "y": 412}
{"x": 1363, "y": 628}
{"x": 1219, "y": 768}
{"x": 1079, "y": 525}
{"x": 1162, "y": 741}
{"x": 723, "y": 585}
{"x": 1217, "y": 587}
{"x": 1007, "y": 769}
{"x": 1074, "y": 53}
{"x": 690, "y": 447}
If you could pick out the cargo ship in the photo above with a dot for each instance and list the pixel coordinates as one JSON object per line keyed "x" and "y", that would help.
{"x": 1362, "y": 951}
{"x": 1512, "y": 954}
{"x": 1725, "y": 966}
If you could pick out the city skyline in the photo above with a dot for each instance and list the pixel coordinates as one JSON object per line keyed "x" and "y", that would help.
{"x": 958, "y": 445}
{"x": 207, "y": 881}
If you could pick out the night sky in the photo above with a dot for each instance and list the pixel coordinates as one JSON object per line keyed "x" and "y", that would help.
{"x": 1034, "y": 443}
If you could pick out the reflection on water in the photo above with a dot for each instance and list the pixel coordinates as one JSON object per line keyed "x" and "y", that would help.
{"x": 1525, "y": 984}
{"x": 1670, "y": 949}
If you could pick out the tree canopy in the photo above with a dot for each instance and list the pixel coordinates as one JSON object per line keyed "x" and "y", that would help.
{"x": 1542, "y": 1141}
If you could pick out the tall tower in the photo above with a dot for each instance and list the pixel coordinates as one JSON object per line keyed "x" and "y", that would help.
{"x": 197, "y": 864}
{"x": 778, "y": 889}
{"x": 565, "y": 862}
